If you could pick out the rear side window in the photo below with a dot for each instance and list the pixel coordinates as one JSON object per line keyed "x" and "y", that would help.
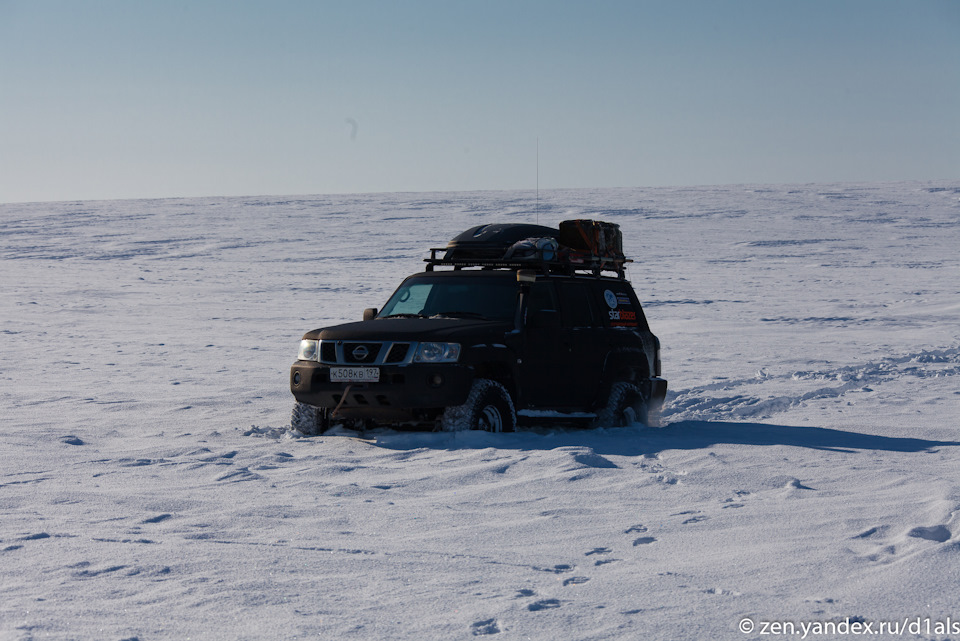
{"x": 620, "y": 307}
{"x": 578, "y": 307}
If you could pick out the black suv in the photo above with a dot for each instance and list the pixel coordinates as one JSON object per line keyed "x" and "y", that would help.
{"x": 511, "y": 320}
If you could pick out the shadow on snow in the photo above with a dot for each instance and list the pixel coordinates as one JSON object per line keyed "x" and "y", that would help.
{"x": 683, "y": 435}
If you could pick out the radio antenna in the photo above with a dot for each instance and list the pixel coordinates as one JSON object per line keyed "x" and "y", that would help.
{"x": 538, "y": 180}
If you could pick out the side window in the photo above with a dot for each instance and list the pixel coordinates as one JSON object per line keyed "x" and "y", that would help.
{"x": 577, "y": 306}
{"x": 620, "y": 307}
{"x": 542, "y": 297}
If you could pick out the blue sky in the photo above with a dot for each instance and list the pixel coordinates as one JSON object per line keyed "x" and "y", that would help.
{"x": 105, "y": 99}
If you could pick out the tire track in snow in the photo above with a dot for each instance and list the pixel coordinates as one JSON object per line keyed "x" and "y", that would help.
{"x": 703, "y": 402}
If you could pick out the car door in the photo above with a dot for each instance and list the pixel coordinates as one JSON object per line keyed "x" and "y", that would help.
{"x": 583, "y": 341}
{"x": 543, "y": 382}
{"x": 562, "y": 358}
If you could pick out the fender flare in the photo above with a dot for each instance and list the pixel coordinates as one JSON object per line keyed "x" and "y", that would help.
{"x": 626, "y": 365}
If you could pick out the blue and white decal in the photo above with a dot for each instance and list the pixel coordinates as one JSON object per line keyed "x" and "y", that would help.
{"x": 611, "y": 299}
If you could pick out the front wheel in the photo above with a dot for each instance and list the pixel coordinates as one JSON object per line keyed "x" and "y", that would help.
{"x": 488, "y": 407}
{"x": 310, "y": 420}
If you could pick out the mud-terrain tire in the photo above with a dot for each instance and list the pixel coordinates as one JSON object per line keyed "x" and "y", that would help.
{"x": 488, "y": 407}
{"x": 625, "y": 406}
{"x": 310, "y": 420}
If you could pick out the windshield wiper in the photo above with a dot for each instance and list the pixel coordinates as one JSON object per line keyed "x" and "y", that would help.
{"x": 405, "y": 315}
{"x": 458, "y": 314}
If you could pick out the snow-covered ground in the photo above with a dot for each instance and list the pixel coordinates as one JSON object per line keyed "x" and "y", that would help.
{"x": 808, "y": 473}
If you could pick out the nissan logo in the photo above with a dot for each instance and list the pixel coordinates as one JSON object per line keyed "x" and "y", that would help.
{"x": 360, "y": 352}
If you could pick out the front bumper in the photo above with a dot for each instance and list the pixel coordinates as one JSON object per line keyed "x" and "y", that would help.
{"x": 408, "y": 392}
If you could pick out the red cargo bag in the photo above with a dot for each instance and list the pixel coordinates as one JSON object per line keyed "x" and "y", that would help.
{"x": 594, "y": 236}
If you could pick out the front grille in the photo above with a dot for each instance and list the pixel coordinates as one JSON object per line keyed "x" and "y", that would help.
{"x": 328, "y": 352}
{"x": 365, "y": 352}
{"x": 361, "y": 353}
{"x": 397, "y": 353}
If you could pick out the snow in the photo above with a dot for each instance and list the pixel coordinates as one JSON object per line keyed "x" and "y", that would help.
{"x": 807, "y": 471}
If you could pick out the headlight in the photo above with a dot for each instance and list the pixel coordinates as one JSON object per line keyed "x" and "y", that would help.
{"x": 309, "y": 350}
{"x": 437, "y": 353}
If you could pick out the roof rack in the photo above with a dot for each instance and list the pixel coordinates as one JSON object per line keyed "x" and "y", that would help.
{"x": 566, "y": 262}
{"x": 578, "y": 246}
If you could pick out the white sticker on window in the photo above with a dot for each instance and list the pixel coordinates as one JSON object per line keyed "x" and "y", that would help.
{"x": 611, "y": 299}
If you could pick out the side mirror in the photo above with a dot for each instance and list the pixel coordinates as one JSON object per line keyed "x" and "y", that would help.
{"x": 370, "y": 313}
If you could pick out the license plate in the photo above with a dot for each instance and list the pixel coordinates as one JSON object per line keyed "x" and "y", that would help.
{"x": 354, "y": 374}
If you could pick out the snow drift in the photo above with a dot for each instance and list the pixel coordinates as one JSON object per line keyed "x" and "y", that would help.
{"x": 807, "y": 470}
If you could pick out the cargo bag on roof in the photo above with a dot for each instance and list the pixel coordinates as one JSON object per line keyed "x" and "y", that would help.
{"x": 593, "y": 236}
{"x": 495, "y": 241}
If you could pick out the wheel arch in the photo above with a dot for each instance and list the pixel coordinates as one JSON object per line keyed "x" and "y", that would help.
{"x": 498, "y": 371}
{"x": 626, "y": 365}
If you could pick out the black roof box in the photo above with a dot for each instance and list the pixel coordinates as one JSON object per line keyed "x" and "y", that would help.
{"x": 491, "y": 241}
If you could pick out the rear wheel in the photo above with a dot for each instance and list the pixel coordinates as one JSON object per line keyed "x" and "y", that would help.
{"x": 625, "y": 406}
{"x": 488, "y": 407}
{"x": 310, "y": 420}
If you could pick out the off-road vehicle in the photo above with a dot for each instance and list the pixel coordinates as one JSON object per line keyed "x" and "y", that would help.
{"x": 507, "y": 320}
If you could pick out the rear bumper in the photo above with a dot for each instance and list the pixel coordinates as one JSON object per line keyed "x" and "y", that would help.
{"x": 654, "y": 389}
{"x": 403, "y": 393}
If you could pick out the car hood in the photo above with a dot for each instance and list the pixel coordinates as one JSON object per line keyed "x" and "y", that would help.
{"x": 411, "y": 329}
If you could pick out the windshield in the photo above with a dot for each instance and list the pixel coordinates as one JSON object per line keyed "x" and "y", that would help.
{"x": 487, "y": 298}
